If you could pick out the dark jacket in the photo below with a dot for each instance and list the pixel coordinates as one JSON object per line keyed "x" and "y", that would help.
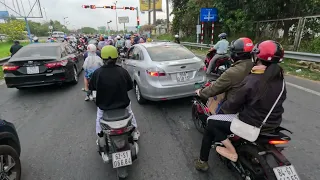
{"x": 253, "y": 112}
{"x": 15, "y": 48}
{"x": 112, "y": 83}
{"x": 229, "y": 81}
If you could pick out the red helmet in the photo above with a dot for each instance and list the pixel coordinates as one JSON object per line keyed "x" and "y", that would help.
{"x": 270, "y": 51}
{"x": 241, "y": 49}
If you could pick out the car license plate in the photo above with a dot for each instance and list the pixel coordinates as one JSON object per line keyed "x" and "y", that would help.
{"x": 33, "y": 70}
{"x": 286, "y": 173}
{"x": 182, "y": 76}
{"x": 120, "y": 159}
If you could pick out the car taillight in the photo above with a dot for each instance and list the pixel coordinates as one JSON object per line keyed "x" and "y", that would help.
{"x": 56, "y": 64}
{"x": 156, "y": 72}
{"x": 8, "y": 67}
{"x": 276, "y": 142}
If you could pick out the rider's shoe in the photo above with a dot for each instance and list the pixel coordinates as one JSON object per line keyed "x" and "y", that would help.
{"x": 136, "y": 135}
{"x": 227, "y": 154}
{"x": 87, "y": 98}
{"x": 201, "y": 165}
{"x": 91, "y": 97}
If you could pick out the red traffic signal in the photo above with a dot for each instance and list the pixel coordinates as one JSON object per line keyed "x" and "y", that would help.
{"x": 113, "y": 7}
{"x": 92, "y": 6}
{"x": 85, "y": 6}
{"x": 132, "y": 8}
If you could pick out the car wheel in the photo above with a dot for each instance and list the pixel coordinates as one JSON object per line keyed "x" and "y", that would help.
{"x": 139, "y": 97}
{"x": 10, "y": 162}
{"x": 75, "y": 76}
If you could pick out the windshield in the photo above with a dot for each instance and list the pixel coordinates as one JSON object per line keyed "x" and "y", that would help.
{"x": 169, "y": 53}
{"x": 37, "y": 51}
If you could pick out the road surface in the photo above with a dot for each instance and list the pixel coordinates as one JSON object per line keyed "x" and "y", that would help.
{"x": 57, "y": 132}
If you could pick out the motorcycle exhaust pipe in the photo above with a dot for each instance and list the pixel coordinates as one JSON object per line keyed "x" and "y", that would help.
{"x": 134, "y": 151}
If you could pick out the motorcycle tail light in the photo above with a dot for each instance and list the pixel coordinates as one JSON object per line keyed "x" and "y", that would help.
{"x": 277, "y": 142}
{"x": 120, "y": 131}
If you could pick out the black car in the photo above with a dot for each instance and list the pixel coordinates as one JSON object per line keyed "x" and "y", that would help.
{"x": 10, "y": 150}
{"x": 43, "y": 64}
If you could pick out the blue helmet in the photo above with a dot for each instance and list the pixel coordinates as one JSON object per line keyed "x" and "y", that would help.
{"x": 222, "y": 35}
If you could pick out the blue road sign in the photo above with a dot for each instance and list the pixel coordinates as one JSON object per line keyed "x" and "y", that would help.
{"x": 208, "y": 14}
{"x": 4, "y": 14}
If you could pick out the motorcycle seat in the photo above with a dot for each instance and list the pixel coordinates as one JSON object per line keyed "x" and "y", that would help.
{"x": 115, "y": 114}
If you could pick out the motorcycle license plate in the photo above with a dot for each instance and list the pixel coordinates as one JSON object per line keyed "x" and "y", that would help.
{"x": 120, "y": 159}
{"x": 286, "y": 173}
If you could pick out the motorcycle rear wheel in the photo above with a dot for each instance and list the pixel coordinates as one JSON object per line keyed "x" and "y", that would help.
{"x": 250, "y": 153}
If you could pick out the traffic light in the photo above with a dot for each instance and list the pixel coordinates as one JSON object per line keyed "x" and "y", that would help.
{"x": 132, "y": 8}
{"x": 85, "y": 6}
{"x": 92, "y": 6}
{"x": 138, "y": 27}
{"x": 113, "y": 7}
{"x": 106, "y": 7}
{"x": 124, "y": 8}
{"x": 138, "y": 22}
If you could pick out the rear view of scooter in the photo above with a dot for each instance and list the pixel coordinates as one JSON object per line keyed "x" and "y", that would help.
{"x": 116, "y": 142}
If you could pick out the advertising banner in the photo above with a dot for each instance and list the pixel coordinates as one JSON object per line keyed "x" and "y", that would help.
{"x": 144, "y": 5}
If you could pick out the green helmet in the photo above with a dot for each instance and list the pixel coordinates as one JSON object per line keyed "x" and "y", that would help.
{"x": 109, "y": 52}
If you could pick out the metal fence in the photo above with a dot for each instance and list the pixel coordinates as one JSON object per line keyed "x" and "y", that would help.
{"x": 287, "y": 54}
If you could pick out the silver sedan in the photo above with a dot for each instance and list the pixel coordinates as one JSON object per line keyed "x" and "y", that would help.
{"x": 163, "y": 71}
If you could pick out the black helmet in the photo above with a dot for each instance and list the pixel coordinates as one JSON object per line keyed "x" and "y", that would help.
{"x": 222, "y": 35}
{"x": 241, "y": 49}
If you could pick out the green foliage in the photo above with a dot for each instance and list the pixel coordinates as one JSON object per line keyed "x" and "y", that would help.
{"x": 14, "y": 29}
{"x": 88, "y": 30}
{"x": 312, "y": 46}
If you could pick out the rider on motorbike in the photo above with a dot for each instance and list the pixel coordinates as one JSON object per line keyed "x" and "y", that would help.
{"x": 222, "y": 48}
{"x": 91, "y": 63}
{"x": 229, "y": 81}
{"x": 253, "y": 101}
{"x": 112, "y": 83}
{"x": 177, "y": 39}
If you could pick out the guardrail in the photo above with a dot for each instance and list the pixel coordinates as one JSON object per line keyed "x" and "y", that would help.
{"x": 287, "y": 54}
{"x": 4, "y": 60}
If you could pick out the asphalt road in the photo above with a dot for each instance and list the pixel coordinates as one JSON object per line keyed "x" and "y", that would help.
{"x": 57, "y": 132}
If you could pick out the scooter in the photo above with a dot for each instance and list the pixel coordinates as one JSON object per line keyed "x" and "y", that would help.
{"x": 116, "y": 142}
{"x": 259, "y": 160}
{"x": 222, "y": 64}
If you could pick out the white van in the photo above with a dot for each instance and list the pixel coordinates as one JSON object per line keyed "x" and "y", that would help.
{"x": 57, "y": 34}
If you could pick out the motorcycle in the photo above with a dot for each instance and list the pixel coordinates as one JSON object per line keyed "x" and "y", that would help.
{"x": 116, "y": 142}
{"x": 222, "y": 64}
{"x": 262, "y": 159}
{"x": 122, "y": 51}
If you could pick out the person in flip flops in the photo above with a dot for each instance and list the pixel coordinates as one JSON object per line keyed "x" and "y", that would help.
{"x": 252, "y": 101}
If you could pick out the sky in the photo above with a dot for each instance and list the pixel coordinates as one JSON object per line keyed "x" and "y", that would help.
{"x": 77, "y": 16}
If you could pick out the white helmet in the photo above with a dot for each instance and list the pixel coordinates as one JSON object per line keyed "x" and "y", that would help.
{"x": 176, "y": 36}
{"x": 118, "y": 37}
{"x": 35, "y": 38}
{"x": 92, "y": 48}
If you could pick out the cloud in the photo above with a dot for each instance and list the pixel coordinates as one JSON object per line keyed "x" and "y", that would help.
{"x": 79, "y": 17}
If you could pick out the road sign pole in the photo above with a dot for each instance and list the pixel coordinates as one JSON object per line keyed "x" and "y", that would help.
{"x": 124, "y": 27}
{"x": 212, "y": 31}
{"x": 138, "y": 30}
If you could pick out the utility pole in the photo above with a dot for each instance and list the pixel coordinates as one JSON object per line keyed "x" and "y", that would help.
{"x": 149, "y": 12}
{"x": 168, "y": 20}
{"x": 116, "y": 15}
{"x": 154, "y": 12}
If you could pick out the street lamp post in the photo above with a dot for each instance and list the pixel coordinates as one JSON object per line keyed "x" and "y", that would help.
{"x": 115, "y": 3}
{"x": 108, "y": 27}
{"x": 64, "y": 21}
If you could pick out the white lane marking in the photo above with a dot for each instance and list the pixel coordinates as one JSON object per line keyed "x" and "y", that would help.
{"x": 2, "y": 82}
{"x": 304, "y": 89}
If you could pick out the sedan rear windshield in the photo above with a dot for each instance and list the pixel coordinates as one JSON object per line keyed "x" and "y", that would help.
{"x": 169, "y": 53}
{"x": 37, "y": 51}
